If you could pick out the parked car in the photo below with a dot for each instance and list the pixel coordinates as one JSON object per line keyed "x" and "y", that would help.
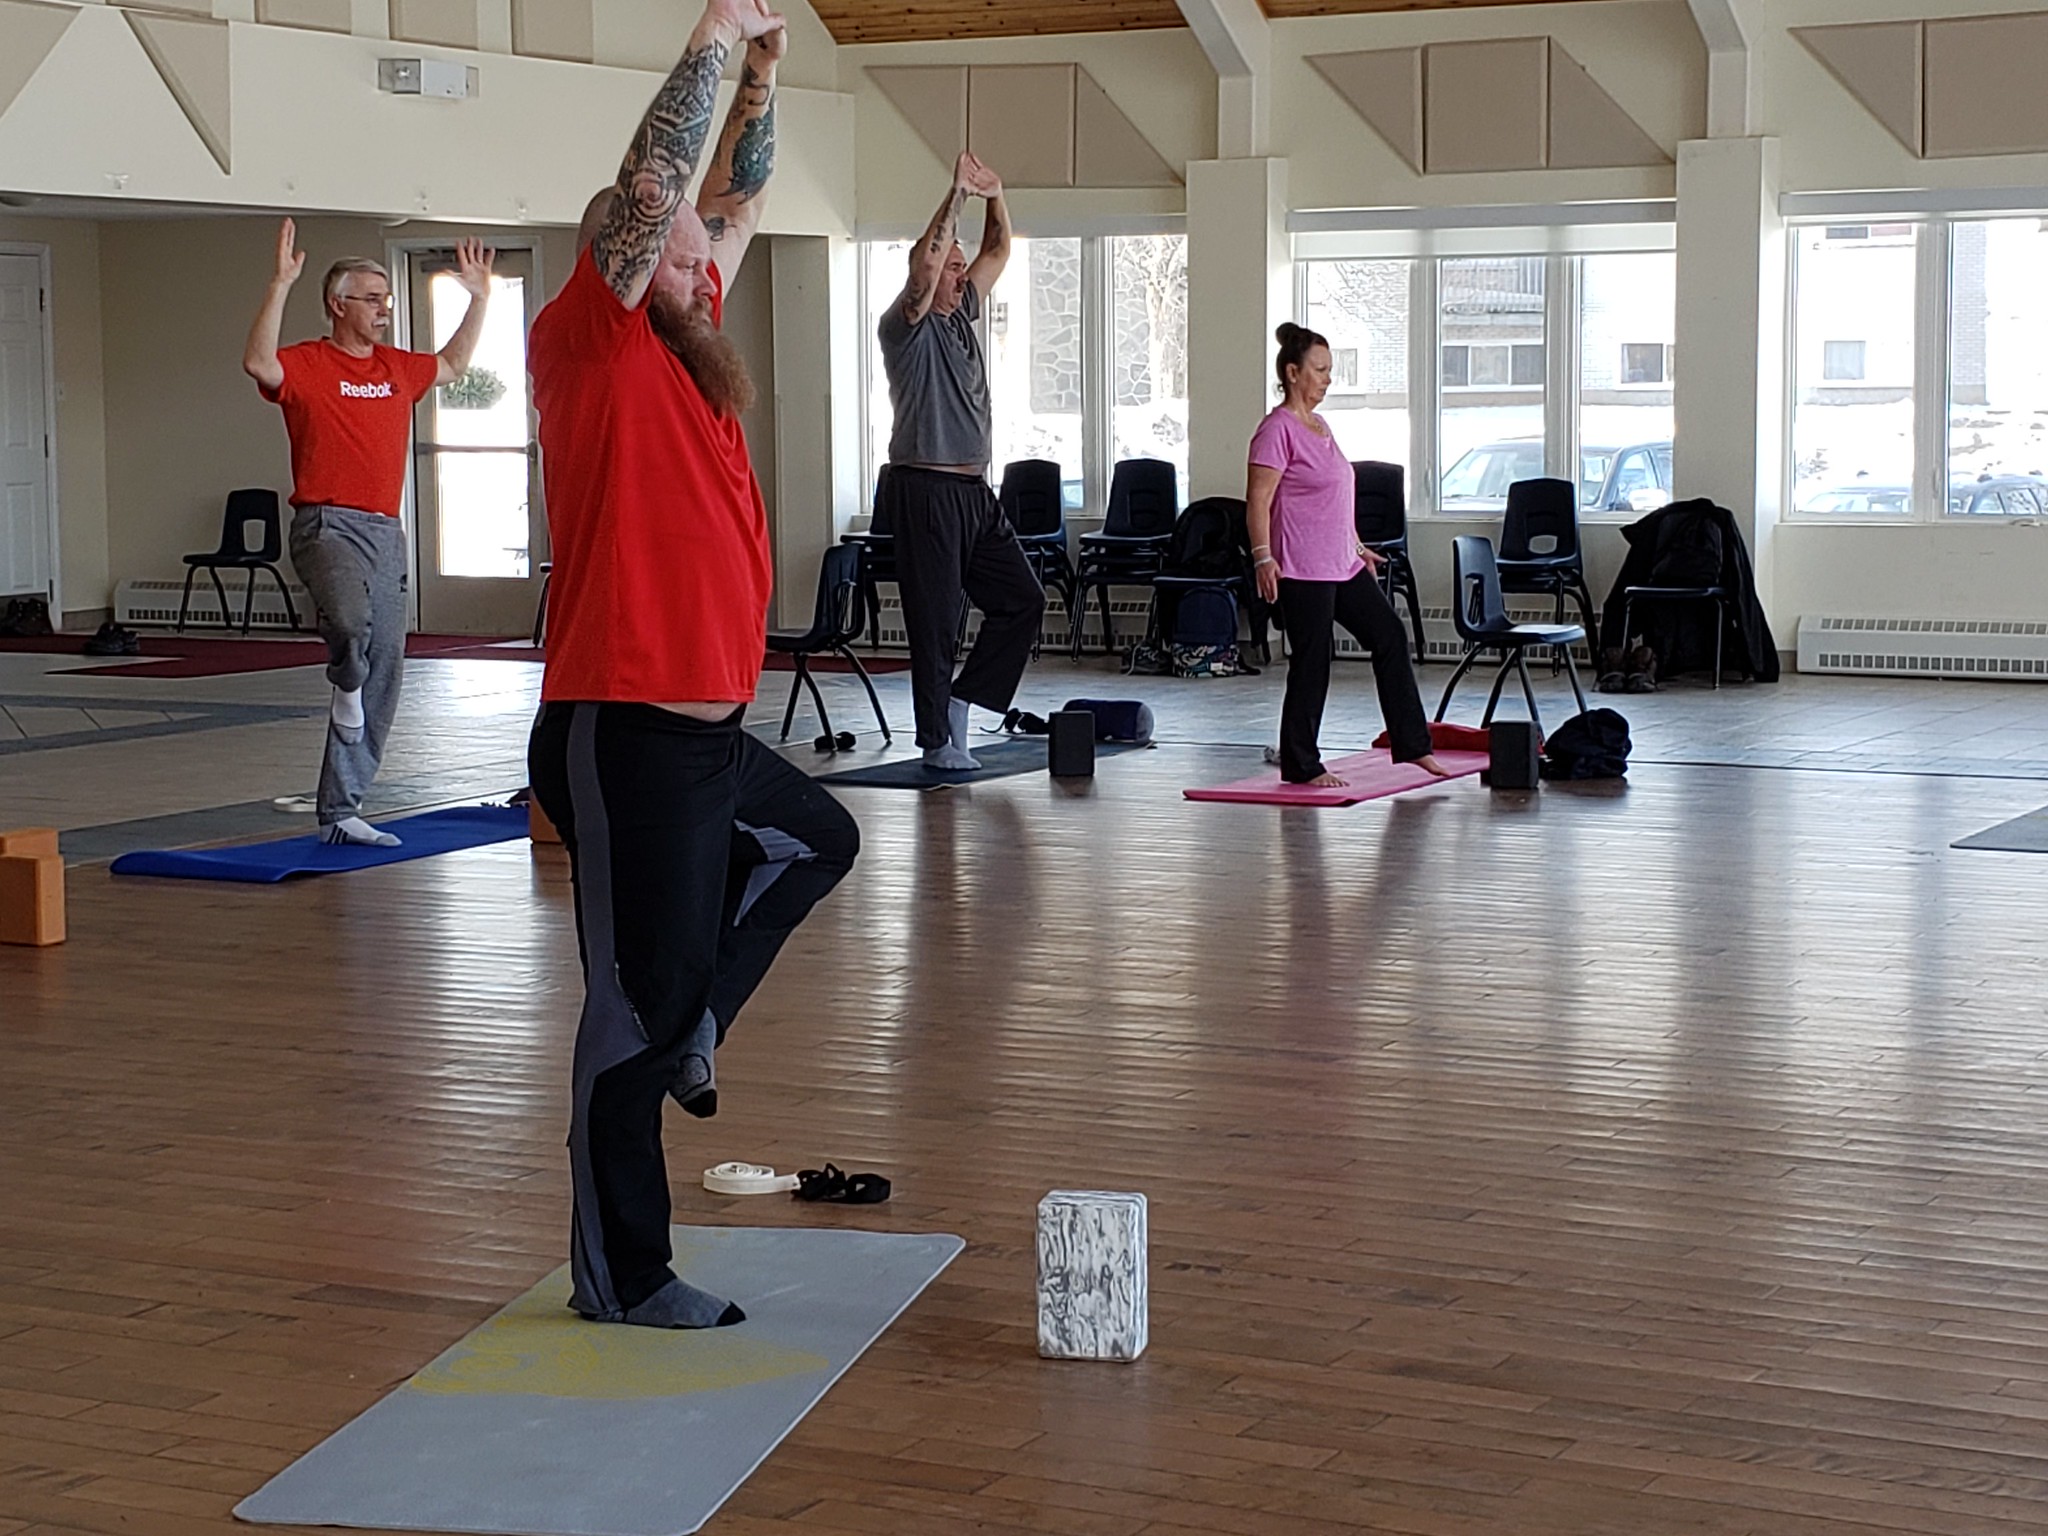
{"x": 1636, "y": 478}
{"x": 1990, "y": 496}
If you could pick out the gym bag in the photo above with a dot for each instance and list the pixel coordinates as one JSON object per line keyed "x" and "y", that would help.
{"x": 1594, "y": 745}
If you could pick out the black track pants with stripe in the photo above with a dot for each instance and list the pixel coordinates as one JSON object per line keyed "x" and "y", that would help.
{"x": 696, "y": 852}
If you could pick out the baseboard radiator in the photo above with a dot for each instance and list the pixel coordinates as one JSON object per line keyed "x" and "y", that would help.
{"x": 2014, "y": 649}
{"x": 156, "y": 602}
{"x": 1130, "y": 613}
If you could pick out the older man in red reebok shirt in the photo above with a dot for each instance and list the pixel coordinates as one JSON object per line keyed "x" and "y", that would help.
{"x": 696, "y": 850}
{"x": 348, "y": 402}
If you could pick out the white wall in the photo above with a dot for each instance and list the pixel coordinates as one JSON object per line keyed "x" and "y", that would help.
{"x": 310, "y": 130}
{"x": 1160, "y": 80}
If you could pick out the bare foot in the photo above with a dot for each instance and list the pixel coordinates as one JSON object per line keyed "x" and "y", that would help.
{"x": 1327, "y": 781}
{"x": 1428, "y": 764}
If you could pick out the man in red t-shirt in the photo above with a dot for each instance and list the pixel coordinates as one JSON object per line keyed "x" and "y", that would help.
{"x": 348, "y": 403}
{"x": 696, "y": 850}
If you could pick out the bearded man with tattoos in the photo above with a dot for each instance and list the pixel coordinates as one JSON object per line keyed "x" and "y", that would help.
{"x": 951, "y": 536}
{"x": 695, "y": 850}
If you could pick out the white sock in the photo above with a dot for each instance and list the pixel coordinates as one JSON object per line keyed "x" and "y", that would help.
{"x": 953, "y": 757}
{"x": 347, "y": 711}
{"x": 353, "y": 829}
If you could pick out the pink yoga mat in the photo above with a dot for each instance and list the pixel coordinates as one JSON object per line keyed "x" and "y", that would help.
{"x": 1372, "y": 775}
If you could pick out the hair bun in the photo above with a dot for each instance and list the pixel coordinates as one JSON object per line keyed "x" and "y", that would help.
{"x": 1286, "y": 332}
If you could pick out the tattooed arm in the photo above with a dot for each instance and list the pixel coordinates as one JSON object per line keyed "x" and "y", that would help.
{"x": 928, "y": 256}
{"x": 730, "y": 199}
{"x": 664, "y": 154}
{"x": 994, "y": 254}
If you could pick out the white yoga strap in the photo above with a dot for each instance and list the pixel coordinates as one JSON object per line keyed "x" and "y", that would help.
{"x": 747, "y": 1179}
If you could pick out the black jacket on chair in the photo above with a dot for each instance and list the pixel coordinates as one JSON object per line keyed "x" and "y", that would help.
{"x": 1682, "y": 633}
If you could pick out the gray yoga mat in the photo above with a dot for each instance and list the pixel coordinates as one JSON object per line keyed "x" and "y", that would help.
{"x": 1000, "y": 758}
{"x": 541, "y": 1424}
{"x": 2023, "y": 834}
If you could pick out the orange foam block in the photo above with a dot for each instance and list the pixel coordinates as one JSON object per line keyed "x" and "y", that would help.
{"x": 31, "y": 842}
{"x": 31, "y": 898}
{"x": 538, "y": 827}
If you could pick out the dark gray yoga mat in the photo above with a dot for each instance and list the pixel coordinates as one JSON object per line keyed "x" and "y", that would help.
{"x": 541, "y": 1424}
{"x": 1000, "y": 758}
{"x": 2023, "y": 834}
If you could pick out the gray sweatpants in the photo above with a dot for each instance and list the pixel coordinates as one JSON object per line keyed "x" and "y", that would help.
{"x": 353, "y": 564}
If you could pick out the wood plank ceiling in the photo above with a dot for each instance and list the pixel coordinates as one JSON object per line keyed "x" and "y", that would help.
{"x": 904, "y": 21}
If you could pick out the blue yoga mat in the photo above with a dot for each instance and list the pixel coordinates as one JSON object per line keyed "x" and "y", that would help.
{"x": 466, "y": 826}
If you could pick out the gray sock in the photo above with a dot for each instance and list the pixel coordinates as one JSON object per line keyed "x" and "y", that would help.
{"x": 956, "y": 723}
{"x": 695, "y": 1085}
{"x": 677, "y": 1305}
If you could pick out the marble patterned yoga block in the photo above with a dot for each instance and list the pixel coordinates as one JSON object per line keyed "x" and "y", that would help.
{"x": 1093, "y": 1300}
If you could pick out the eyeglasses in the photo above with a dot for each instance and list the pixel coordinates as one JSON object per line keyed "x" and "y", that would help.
{"x": 381, "y": 300}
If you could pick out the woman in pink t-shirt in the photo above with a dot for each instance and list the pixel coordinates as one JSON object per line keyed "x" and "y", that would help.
{"x": 1307, "y": 558}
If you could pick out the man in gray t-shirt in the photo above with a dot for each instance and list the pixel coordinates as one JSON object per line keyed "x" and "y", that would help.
{"x": 952, "y": 541}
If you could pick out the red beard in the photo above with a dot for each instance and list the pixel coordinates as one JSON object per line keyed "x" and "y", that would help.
{"x": 706, "y": 352}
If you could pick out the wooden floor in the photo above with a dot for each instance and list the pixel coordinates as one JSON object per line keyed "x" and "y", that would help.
{"x": 1664, "y": 1160}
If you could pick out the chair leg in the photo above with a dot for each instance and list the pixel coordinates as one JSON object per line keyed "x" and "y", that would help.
{"x": 1413, "y": 594}
{"x": 540, "y": 613}
{"x": 227, "y": 614}
{"x": 1571, "y": 670}
{"x": 796, "y": 688}
{"x": 1464, "y": 665}
{"x": 248, "y": 598}
{"x": 871, "y": 594}
{"x": 869, "y": 683}
{"x": 1529, "y": 693}
{"x": 185, "y": 602}
{"x": 291, "y": 609}
{"x": 1628, "y": 606}
{"x": 1720, "y": 632}
{"x": 1512, "y": 658}
{"x": 817, "y": 698}
{"x": 1583, "y": 596}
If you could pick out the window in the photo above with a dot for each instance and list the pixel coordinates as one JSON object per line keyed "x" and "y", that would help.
{"x": 1645, "y": 362}
{"x": 1490, "y": 329}
{"x": 1148, "y": 350}
{"x": 1362, "y": 306}
{"x": 1035, "y": 360}
{"x": 1842, "y": 361}
{"x": 1487, "y": 327}
{"x": 1997, "y": 408}
{"x": 1852, "y": 399}
{"x": 1086, "y": 343}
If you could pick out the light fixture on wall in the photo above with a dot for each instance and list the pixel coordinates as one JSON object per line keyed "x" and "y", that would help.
{"x": 427, "y": 77}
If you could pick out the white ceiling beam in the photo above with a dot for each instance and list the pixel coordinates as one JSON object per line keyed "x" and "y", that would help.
{"x": 1731, "y": 99}
{"x": 1238, "y": 40}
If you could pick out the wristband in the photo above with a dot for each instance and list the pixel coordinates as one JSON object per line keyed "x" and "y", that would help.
{"x": 1265, "y": 560}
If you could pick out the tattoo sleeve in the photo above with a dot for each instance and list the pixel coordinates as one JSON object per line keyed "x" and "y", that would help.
{"x": 748, "y": 143}
{"x": 928, "y": 256}
{"x": 657, "y": 169}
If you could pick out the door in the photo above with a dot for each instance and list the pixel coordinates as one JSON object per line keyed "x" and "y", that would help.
{"x": 25, "y": 563}
{"x": 480, "y": 532}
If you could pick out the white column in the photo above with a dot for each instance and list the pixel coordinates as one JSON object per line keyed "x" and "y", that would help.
{"x": 1729, "y": 395}
{"x": 817, "y": 412}
{"x": 1240, "y": 286}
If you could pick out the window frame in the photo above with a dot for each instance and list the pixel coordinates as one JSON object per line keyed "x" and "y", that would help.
{"x": 1933, "y": 497}
{"x": 1563, "y": 324}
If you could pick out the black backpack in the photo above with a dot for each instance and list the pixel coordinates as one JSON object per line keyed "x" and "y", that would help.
{"x": 1594, "y": 745}
{"x": 1206, "y": 616}
{"x": 1209, "y": 539}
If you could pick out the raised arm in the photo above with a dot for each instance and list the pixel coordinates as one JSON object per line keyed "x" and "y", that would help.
{"x": 473, "y": 270}
{"x": 655, "y": 176}
{"x": 730, "y": 199}
{"x": 259, "y": 353}
{"x": 994, "y": 254}
{"x": 928, "y": 256}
